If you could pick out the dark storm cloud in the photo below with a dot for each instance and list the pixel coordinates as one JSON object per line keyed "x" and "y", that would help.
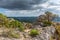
{"x": 20, "y": 4}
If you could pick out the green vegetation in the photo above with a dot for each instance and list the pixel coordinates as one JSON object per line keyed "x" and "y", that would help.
{"x": 51, "y": 38}
{"x": 57, "y": 31}
{"x": 10, "y": 34}
{"x": 13, "y": 35}
{"x": 47, "y": 23}
{"x": 21, "y": 27}
{"x": 50, "y": 16}
{"x": 46, "y": 19}
{"x": 17, "y": 24}
{"x": 10, "y": 23}
{"x": 34, "y": 32}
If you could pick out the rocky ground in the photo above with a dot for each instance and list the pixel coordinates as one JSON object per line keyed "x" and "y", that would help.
{"x": 44, "y": 34}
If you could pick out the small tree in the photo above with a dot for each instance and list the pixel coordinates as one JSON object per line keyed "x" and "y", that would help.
{"x": 47, "y": 18}
{"x": 50, "y": 16}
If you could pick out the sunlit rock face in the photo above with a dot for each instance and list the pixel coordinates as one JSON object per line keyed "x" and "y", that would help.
{"x": 45, "y": 33}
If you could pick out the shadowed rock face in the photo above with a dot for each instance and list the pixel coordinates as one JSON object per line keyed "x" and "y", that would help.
{"x": 45, "y": 34}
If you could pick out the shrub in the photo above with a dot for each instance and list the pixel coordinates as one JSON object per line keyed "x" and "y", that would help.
{"x": 21, "y": 27}
{"x": 13, "y": 24}
{"x": 34, "y": 32}
{"x": 13, "y": 35}
{"x": 47, "y": 16}
{"x": 57, "y": 31}
{"x": 51, "y": 38}
{"x": 10, "y": 23}
{"x": 47, "y": 23}
{"x": 10, "y": 34}
{"x": 17, "y": 24}
{"x": 28, "y": 25}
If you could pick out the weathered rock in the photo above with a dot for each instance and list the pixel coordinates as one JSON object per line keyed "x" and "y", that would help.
{"x": 44, "y": 34}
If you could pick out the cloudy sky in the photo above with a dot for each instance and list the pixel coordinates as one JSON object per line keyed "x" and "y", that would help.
{"x": 29, "y": 8}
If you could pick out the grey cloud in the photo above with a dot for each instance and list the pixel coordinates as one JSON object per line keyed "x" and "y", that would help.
{"x": 54, "y": 4}
{"x": 20, "y": 4}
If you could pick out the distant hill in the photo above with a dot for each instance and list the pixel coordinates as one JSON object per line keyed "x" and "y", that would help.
{"x": 32, "y": 19}
{"x": 57, "y": 19}
{"x": 25, "y": 19}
